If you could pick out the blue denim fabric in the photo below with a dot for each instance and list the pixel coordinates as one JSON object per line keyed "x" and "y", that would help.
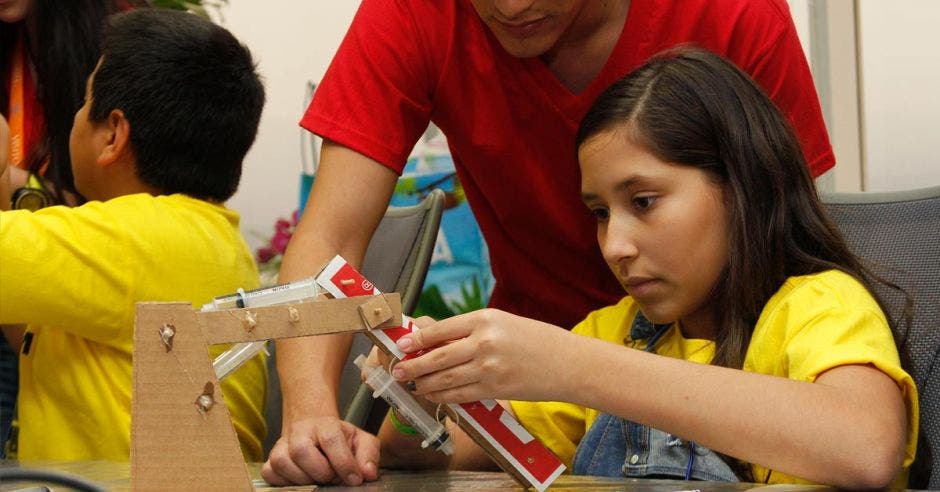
{"x": 614, "y": 446}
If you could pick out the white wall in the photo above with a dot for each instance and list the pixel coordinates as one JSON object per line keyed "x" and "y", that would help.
{"x": 899, "y": 70}
{"x": 800, "y": 11}
{"x": 293, "y": 41}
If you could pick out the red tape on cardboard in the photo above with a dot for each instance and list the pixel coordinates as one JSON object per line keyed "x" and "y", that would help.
{"x": 501, "y": 430}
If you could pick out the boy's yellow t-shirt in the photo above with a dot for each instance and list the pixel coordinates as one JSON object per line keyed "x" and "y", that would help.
{"x": 74, "y": 276}
{"x": 812, "y": 324}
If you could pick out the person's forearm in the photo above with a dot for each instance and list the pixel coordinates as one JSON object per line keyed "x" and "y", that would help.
{"x": 4, "y": 147}
{"x": 401, "y": 451}
{"x": 819, "y": 431}
{"x": 347, "y": 201}
{"x": 309, "y": 370}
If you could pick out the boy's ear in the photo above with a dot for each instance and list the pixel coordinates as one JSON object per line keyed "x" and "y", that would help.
{"x": 117, "y": 145}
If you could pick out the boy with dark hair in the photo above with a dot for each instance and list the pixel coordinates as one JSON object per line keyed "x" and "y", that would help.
{"x": 169, "y": 114}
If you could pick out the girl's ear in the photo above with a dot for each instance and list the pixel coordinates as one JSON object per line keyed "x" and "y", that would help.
{"x": 117, "y": 138}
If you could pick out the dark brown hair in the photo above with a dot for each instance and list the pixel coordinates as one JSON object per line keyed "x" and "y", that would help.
{"x": 63, "y": 48}
{"x": 192, "y": 96}
{"x": 692, "y": 107}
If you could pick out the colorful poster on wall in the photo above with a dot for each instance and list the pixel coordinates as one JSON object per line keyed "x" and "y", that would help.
{"x": 459, "y": 278}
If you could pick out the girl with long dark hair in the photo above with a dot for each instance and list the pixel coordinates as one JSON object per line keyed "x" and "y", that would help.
{"x": 47, "y": 50}
{"x": 751, "y": 345}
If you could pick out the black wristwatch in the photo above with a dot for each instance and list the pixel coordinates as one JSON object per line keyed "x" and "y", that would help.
{"x": 31, "y": 197}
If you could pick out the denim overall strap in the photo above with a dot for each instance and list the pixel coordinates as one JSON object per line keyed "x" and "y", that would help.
{"x": 616, "y": 447}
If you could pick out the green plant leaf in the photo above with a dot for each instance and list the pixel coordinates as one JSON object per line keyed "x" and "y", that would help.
{"x": 431, "y": 303}
{"x": 471, "y": 298}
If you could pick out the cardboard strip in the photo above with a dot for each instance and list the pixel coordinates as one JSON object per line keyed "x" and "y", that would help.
{"x": 502, "y": 437}
{"x": 314, "y": 317}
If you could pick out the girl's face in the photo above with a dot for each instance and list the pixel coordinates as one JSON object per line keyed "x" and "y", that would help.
{"x": 14, "y": 10}
{"x": 662, "y": 229}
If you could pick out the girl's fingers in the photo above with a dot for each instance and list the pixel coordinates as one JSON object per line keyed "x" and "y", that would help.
{"x": 424, "y": 321}
{"x": 453, "y": 377}
{"x": 441, "y": 358}
{"x": 435, "y": 334}
{"x": 461, "y": 394}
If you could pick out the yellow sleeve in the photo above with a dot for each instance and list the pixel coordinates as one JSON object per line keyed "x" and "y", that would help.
{"x": 64, "y": 267}
{"x": 853, "y": 336}
{"x": 826, "y": 320}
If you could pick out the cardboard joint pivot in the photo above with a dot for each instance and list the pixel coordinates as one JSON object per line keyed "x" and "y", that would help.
{"x": 206, "y": 400}
{"x": 250, "y": 321}
{"x": 167, "y": 331}
{"x": 375, "y": 311}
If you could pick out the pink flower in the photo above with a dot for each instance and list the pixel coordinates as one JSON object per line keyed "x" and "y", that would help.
{"x": 279, "y": 241}
{"x": 277, "y": 244}
{"x": 265, "y": 254}
{"x": 282, "y": 225}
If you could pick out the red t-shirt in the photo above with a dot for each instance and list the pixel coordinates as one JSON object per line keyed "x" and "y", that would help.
{"x": 510, "y": 123}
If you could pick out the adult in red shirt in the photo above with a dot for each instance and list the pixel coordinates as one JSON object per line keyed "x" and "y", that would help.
{"x": 507, "y": 82}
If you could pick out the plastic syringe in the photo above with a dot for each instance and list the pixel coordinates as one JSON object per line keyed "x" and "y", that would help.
{"x": 233, "y": 358}
{"x": 384, "y": 385}
{"x": 297, "y": 291}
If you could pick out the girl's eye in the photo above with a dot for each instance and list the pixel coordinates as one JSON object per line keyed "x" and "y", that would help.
{"x": 600, "y": 214}
{"x": 643, "y": 202}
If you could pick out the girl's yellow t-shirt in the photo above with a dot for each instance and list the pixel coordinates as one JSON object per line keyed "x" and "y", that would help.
{"x": 812, "y": 324}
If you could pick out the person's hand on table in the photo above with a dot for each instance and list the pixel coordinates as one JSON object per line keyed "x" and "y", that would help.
{"x": 322, "y": 449}
{"x": 486, "y": 354}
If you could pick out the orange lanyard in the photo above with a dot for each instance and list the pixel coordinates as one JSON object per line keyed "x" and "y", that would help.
{"x": 17, "y": 111}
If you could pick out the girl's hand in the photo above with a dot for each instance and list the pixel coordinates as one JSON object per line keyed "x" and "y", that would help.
{"x": 487, "y": 354}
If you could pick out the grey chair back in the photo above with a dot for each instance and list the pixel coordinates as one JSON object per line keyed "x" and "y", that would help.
{"x": 897, "y": 234}
{"x": 396, "y": 260}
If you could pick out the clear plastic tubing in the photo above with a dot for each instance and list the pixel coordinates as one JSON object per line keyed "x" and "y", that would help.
{"x": 233, "y": 358}
{"x": 382, "y": 384}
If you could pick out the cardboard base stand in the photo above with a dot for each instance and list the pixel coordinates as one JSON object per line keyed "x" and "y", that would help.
{"x": 182, "y": 437}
